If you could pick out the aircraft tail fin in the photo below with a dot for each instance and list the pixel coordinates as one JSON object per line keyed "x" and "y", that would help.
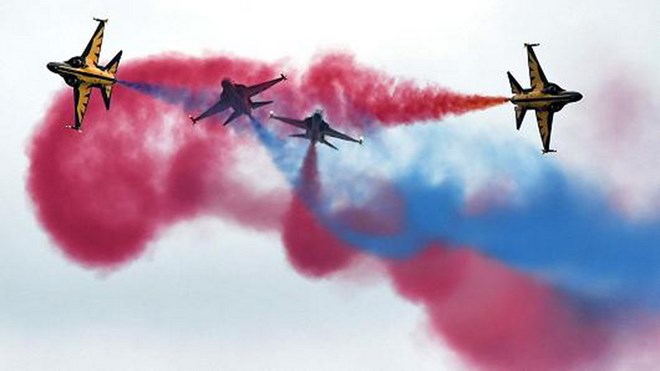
{"x": 113, "y": 65}
{"x": 515, "y": 86}
{"x": 520, "y": 116}
{"x": 261, "y": 104}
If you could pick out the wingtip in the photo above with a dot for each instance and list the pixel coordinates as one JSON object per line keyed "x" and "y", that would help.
{"x": 194, "y": 121}
{"x": 74, "y": 127}
{"x": 361, "y": 140}
{"x": 271, "y": 114}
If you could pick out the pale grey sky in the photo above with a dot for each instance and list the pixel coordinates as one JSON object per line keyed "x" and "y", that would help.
{"x": 210, "y": 295}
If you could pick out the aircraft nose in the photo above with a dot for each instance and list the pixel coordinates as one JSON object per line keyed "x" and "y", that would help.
{"x": 52, "y": 66}
{"x": 577, "y": 96}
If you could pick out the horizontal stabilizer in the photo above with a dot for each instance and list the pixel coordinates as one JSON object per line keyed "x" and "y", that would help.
{"x": 515, "y": 86}
{"x": 261, "y": 104}
{"x": 329, "y": 144}
{"x": 234, "y": 115}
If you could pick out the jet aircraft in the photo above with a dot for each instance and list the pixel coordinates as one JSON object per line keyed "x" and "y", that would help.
{"x": 544, "y": 97}
{"x": 316, "y": 129}
{"x": 83, "y": 73}
{"x": 239, "y": 98}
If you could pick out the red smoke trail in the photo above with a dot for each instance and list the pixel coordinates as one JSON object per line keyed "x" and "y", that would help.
{"x": 350, "y": 92}
{"x": 104, "y": 194}
{"x": 311, "y": 248}
{"x": 497, "y": 318}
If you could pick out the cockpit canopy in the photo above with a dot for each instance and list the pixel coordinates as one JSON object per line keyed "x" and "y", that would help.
{"x": 75, "y": 62}
{"x": 553, "y": 89}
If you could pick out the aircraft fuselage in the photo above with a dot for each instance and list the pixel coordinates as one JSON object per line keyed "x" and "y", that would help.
{"x": 315, "y": 132}
{"x": 239, "y": 99}
{"x": 540, "y": 100}
{"x": 74, "y": 76}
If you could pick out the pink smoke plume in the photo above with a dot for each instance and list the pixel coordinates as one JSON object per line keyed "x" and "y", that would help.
{"x": 352, "y": 93}
{"x": 104, "y": 194}
{"x": 496, "y": 318}
{"x": 311, "y": 248}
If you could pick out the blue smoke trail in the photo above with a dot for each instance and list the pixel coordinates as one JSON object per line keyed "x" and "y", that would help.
{"x": 172, "y": 95}
{"x": 552, "y": 227}
{"x": 558, "y": 231}
{"x": 286, "y": 158}
{"x": 568, "y": 237}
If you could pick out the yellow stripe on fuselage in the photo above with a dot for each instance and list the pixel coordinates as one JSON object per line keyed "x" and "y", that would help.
{"x": 90, "y": 75}
{"x": 535, "y": 99}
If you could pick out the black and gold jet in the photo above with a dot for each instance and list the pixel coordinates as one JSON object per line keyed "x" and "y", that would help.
{"x": 316, "y": 129}
{"x": 83, "y": 73}
{"x": 238, "y": 97}
{"x": 544, "y": 97}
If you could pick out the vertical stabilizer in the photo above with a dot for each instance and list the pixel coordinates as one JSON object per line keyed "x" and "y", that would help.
{"x": 515, "y": 86}
{"x": 106, "y": 90}
{"x": 113, "y": 65}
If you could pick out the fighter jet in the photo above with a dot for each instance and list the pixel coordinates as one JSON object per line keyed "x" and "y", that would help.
{"x": 83, "y": 73}
{"x": 544, "y": 97}
{"x": 238, "y": 97}
{"x": 316, "y": 129}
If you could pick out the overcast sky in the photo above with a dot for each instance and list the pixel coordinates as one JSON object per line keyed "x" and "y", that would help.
{"x": 210, "y": 295}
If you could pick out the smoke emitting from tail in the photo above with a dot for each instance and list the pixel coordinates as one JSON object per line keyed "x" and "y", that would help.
{"x": 105, "y": 194}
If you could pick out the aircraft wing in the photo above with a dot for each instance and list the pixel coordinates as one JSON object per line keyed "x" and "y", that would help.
{"x": 81, "y": 96}
{"x": 536, "y": 75}
{"x": 93, "y": 49}
{"x": 335, "y": 134}
{"x": 218, "y": 107}
{"x": 303, "y": 124}
{"x": 256, "y": 89}
{"x": 544, "y": 119}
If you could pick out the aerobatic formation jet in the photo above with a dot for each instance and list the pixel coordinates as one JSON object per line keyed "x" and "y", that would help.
{"x": 239, "y": 98}
{"x": 316, "y": 129}
{"x": 83, "y": 73}
{"x": 544, "y": 97}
